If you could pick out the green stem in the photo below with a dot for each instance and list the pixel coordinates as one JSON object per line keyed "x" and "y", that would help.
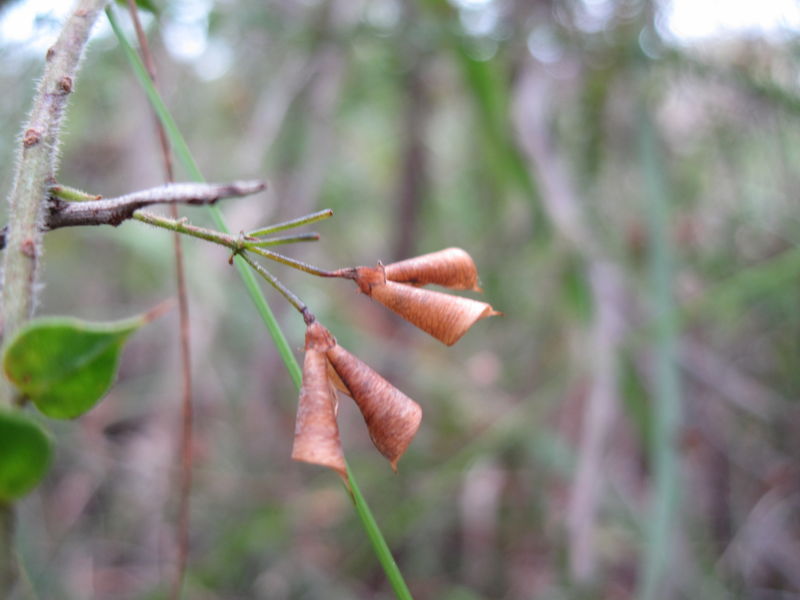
{"x": 36, "y": 165}
{"x": 273, "y": 281}
{"x": 382, "y": 551}
{"x": 660, "y": 527}
{"x": 181, "y": 226}
{"x": 312, "y": 218}
{"x": 375, "y": 536}
{"x": 70, "y": 194}
{"x": 291, "y": 262}
{"x": 284, "y": 239}
{"x": 184, "y": 155}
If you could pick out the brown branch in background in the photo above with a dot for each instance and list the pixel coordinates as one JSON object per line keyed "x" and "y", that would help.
{"x": 187, "y": 410}
{"x": 562, "y": 205}
{"x": 731, "y": 383}
{"x": 413, "y": 182}
{"x": 320, "y": 102}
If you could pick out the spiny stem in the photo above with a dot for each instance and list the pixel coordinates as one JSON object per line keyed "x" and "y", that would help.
{"x": 273, "y": 281}
{"x": 312, "y": 218}
{"x": 291, "y": 262}
{"x": 284, "y": 239}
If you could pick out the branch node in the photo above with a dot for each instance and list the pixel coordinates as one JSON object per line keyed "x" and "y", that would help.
{"x": 31, "y": 137}
{"x": 65, "y": 84}
{"x": 28, "y": 248}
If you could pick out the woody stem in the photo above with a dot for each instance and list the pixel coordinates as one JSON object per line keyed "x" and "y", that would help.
{"x": 273, "y": 281}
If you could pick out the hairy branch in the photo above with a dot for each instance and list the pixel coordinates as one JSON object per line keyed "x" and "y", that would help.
{"x": 113, "y": 211}
{"x": 37, "y": 162}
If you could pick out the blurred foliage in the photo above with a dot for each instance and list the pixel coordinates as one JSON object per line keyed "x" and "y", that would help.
{"x": 405, "y": 119}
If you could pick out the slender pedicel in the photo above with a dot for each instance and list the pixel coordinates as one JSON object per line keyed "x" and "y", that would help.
{"x": 312, "y": 218}
{"x": 273, "y": 281}
{"x": 283, "y": 239}
{"x": 291, "y": 262}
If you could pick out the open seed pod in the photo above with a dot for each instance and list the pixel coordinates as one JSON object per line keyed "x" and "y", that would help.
{"x": 452, "y": 268}
{"x": 444, "y": 316}
{"x": 316, "y": 434}
{"x": 392, "y": 417}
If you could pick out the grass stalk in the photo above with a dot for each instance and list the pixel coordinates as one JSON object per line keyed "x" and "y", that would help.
{"x": 661, "y": 523}
{"x": 382, "y": 552}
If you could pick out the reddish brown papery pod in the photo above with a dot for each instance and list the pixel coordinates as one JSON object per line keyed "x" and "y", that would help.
{"x": 452, "y": 268}
{"x": 444, "y": 316}
{"x": 392, "y": 417}
{"x": 316, "y": 434}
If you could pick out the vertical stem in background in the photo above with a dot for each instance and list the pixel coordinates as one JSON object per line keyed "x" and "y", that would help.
{"x": 187, "y": 405}
{"x": 565, "y": 209}
{"x": 413, "y": 182}
{"x": 374, "y": 533}
{"x": 36, "y": 166}
{"x": 665, "y": 406}
{"x": 8, "y": 563}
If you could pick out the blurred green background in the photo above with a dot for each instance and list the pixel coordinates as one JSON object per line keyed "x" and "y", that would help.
{"x": 627, "y": 430}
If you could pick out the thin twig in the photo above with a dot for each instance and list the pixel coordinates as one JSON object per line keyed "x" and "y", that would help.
{"x": 187, "y": 405}
{"x": 294, "y": 263}
{"x": 305, "y": 220}
{"x": 283, "y": 239}
{"x": 113, "y": 211}
{"x": 183, "y": 227}
{"x": 274, "y": 282}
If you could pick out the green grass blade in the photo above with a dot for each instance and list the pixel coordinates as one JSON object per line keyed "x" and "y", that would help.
{"x": 379, "y": 545}
{"x": 181, "y": 150}
{"x": 661, "y": 522}
{"x": 185, "y": 157}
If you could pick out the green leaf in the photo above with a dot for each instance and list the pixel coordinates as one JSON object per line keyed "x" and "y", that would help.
{"x": 65, "y": 365}
{"x": 24, "y": 455}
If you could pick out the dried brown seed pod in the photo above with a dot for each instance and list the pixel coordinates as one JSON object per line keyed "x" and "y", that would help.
{"x": 452, "y": 268}
{"x": 316, "y": 435}
{"x": 444, "y": 316}
{"x": 392, "y": 417}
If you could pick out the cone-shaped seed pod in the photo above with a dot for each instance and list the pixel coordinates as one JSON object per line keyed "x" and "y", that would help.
{"x": 444, "y": 316}
{"x": 392, "y": 417}
{"x": 452, "y": 268}
{"x": 316, "y": 434}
